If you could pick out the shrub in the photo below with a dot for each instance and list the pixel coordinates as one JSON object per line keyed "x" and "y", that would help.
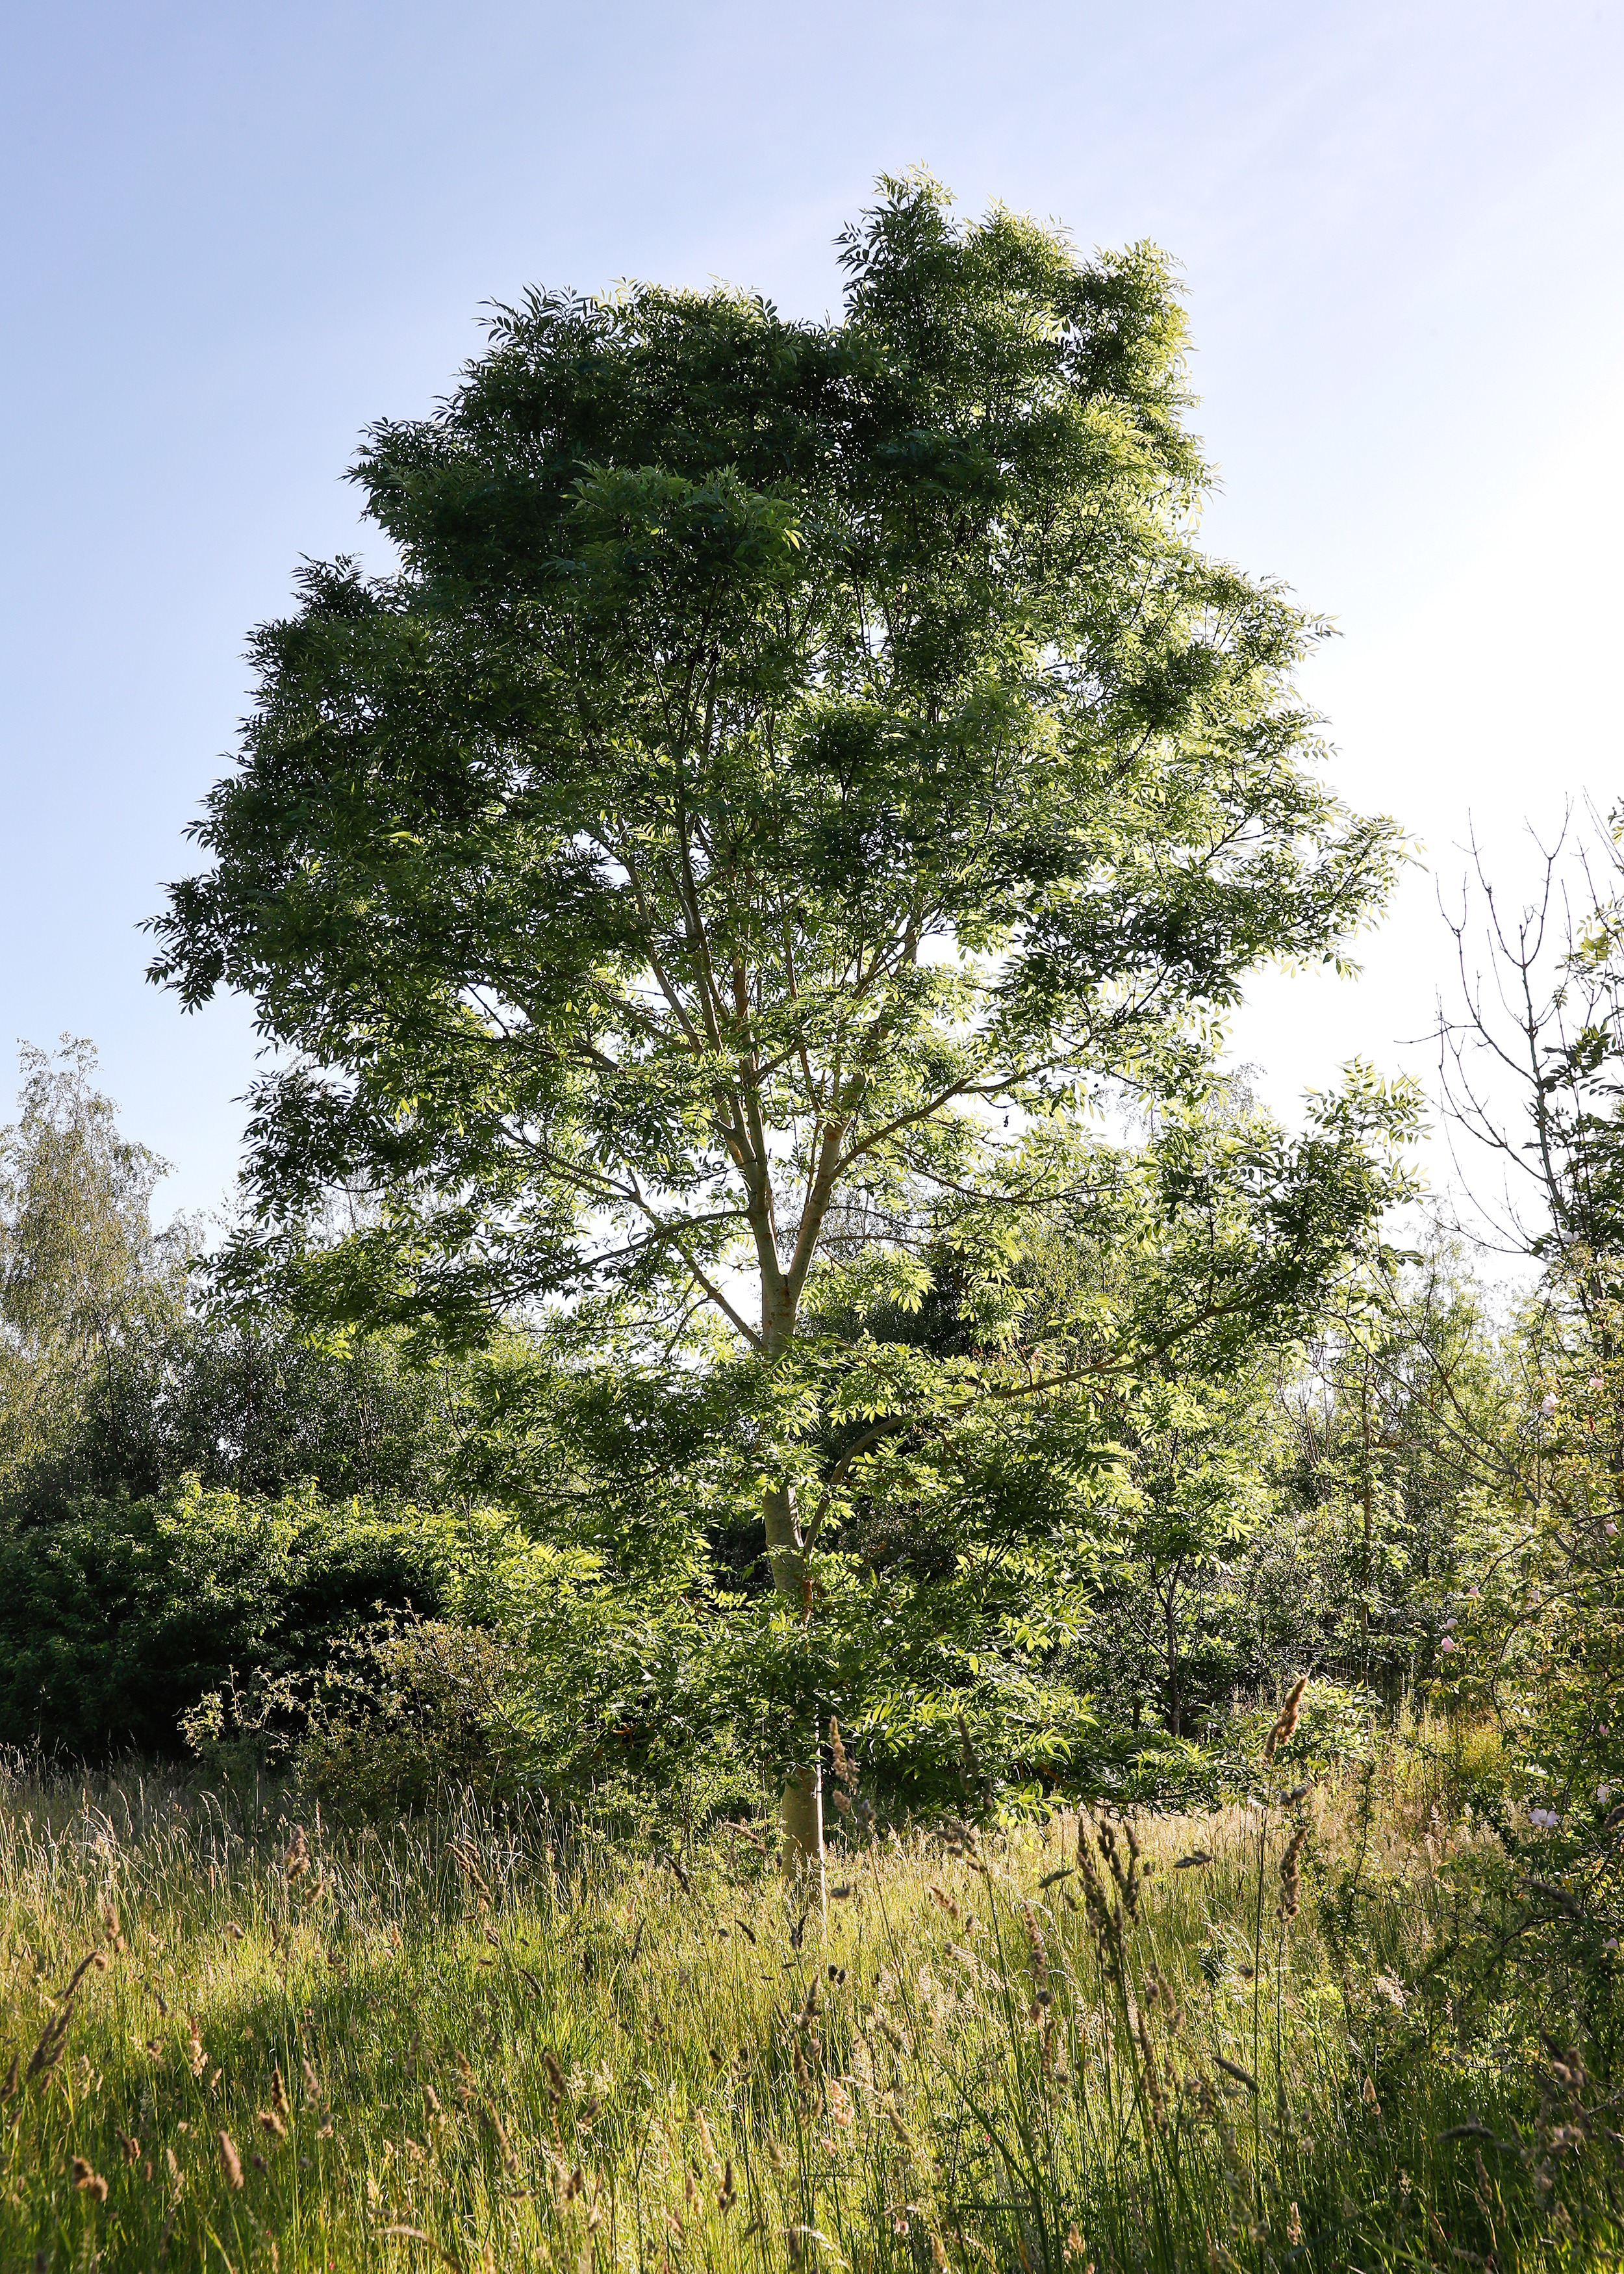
{"x": 116, "y": 1619}
{"x": 405, "y": 1711}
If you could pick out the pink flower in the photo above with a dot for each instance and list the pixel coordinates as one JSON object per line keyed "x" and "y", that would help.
{"x": 1449, "y": 1643}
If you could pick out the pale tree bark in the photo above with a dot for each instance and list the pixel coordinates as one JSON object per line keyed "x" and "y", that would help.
{"x": 801, "y": 1803}
{"x": 743, "y": 1123}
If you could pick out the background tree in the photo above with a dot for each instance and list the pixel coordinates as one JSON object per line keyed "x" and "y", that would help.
{"x": 784, "y": 751}
{"x": 1392, "y": 1422}
{"x": 119, "y": 1374}
{"x": 1532, "y": 1053}
{"x": 84, "y": 1279}
{"x": 1198, "y": 1489}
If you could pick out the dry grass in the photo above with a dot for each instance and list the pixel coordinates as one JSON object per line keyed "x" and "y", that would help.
{"x": 246, "y": 2040}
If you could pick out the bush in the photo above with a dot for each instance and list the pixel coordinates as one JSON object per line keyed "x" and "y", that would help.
{"x": 116, "y": 1619}
{"x": 400, "y": 1714}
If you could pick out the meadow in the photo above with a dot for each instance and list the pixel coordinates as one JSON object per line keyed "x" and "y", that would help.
{"x": 234, "y": 2034}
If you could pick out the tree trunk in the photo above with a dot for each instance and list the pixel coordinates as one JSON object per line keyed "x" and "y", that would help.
{"x": 1170, "y": 1611}
{"x": 800, "y": 1805}
{"x": 1364, "y": 1560}
{"x": 801, "y": 1816}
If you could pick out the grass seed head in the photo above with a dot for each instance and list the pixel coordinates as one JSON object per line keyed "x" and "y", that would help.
{"x": 52, "y": 2037}
{"x": 231, "y": 2161}
{"x": 1286, "y": 1719}
{"x": 1483, "y": 2190}
{"x": 1037, "y": 1948}
{"x": 845, "y": 1767}
{"x": 86, "y": 2180}
{"x": 1289, "y": 1886}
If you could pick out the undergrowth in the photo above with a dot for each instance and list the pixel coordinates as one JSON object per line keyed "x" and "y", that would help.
{"x": 241, "y": 2036}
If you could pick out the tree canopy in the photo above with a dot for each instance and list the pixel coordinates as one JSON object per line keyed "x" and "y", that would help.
{"x": 779, "y": 746}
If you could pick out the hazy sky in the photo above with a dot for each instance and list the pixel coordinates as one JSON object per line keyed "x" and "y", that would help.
{"x": 236, "y": 235}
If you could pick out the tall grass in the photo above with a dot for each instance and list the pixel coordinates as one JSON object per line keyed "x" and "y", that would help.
{"x": 240, "y": 2037}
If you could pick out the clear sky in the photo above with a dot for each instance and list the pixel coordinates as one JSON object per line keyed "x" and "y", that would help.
{"x": 237, "y": 234}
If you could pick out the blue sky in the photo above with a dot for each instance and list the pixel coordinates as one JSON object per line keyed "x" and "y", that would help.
{"x": 238, "y": 234}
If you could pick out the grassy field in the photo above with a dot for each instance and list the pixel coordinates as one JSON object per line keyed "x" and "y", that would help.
{"x": 241, "y": 2037}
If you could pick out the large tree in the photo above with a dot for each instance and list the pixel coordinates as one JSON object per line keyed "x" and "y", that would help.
{"x": 780, "y": 752}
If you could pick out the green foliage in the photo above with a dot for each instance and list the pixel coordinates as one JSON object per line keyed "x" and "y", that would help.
{"x": 783, "y": 754}
{"x": 118, "y": 1618}
{"x": 119, "y": 1375}
{"x": 781, "y": 744}
{"x": 784, "y": 757}
{"x": 1164, "y": 1632}
{"x": 1389, "y": 1428}
{"x": 85, "y": 1285}
{"x": 404, "y": 1713}
{"x": 249, "y": 1404}
{"x": 1539, "y": 1636}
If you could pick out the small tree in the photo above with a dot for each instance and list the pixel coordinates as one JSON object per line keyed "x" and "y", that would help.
{"x": 1532, "y": 1051}
{"x": 1197, "y": 1484}
{"x": 784, "y": 751}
